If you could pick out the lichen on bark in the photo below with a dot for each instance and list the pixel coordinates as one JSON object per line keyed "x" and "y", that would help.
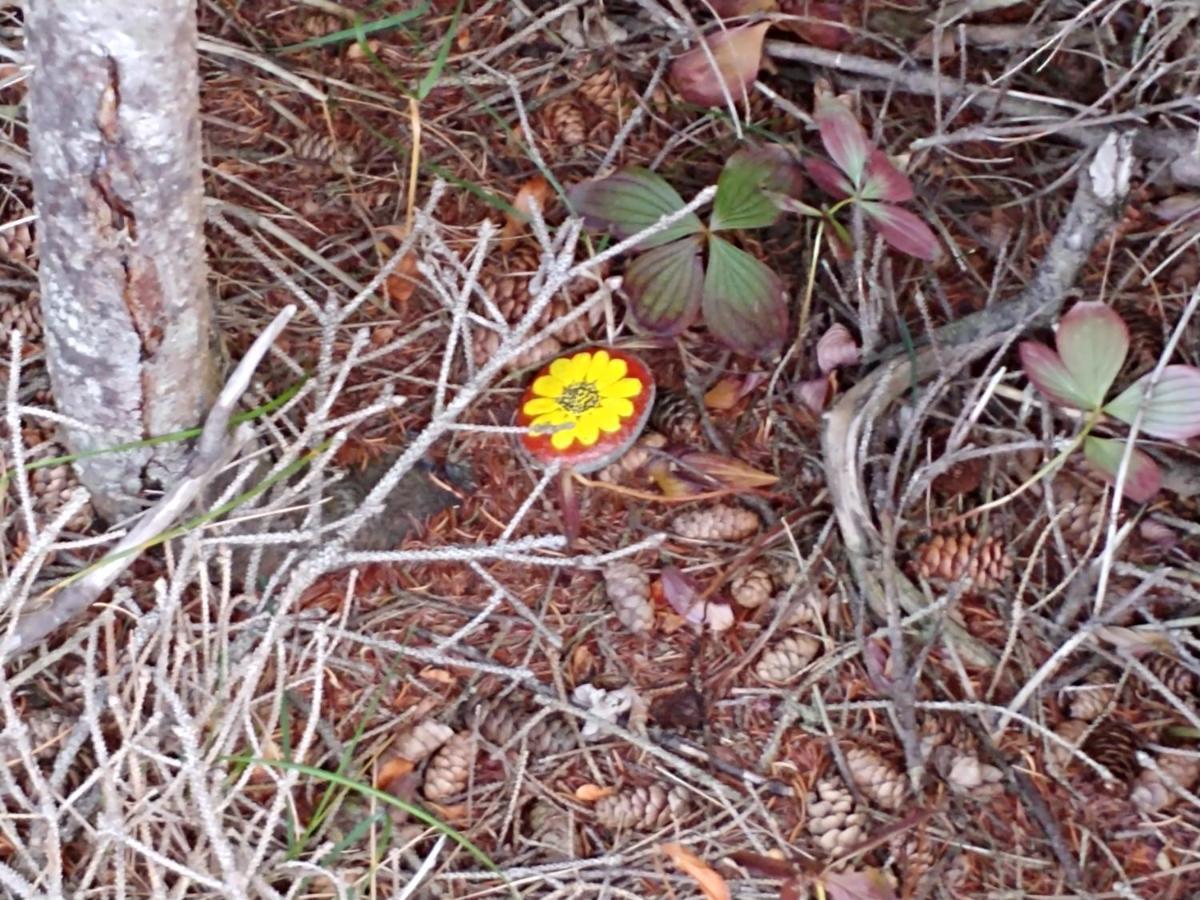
{"x": 114, "y": 131}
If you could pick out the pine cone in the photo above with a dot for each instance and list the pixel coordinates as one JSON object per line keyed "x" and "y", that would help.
{"x": 787, "y": 659}
{"x": 878, "y": 779}
{"x": 16, "y": 245}
{"x": 449, "y": 771}
{"x": 51, "y": 486}
{"x": 833, "y": 817}
{"x": 320, "y": 149}
{"x": 966, "y": 774}
{"x": 955, "y": 555}
{"x": 1177, "y": 677}
{"x": 603, "y": 88}
{"x": 1114, "y": 745}
{"x": 23, "y": 315}
{"x": 941, "y": 730}
{"x": 1083, "y": 508}
{"x": 1070, "y": 730}
{"x": 551, "y": 827}
{"x": 564, "y": 123}
{"x": 424, "y": 738}
{"x": 1151, "y": 793}
{"x": 716, "y": 523}
{"x": 1091, "y": 699}
{"x": 551, "y": 735}
{"x": 321, "y": 24}
{"x": 675, "y": 415}
{"x": 628, "y": 589}
{"x": 752, "y": 587}
{"x": 506, "y": 278}
{"x": 633, "y": 461}
{"x": 642, "y": 808}
{"x": 914, "y": 858}
{"x": 807, "y": 607}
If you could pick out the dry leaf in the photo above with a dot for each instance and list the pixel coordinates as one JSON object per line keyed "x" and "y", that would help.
{"x": 737, "y": 53}
{"x": 395, "y": 768}
{"x": 868, "y": 884}
{"x": 534, "y": 191}
{"x": 729, "y": 472}
{"x": 590, "y": 793}
{"x": 724, "y": 394}
{"x": 441, "y": 676}
{"x": 709, "y": 880}
{"x": 669, "y": 482}
{"x": 836, "y": 347}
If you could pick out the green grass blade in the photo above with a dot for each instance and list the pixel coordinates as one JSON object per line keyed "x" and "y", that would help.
{"x": 439, "y": 63}
{"x": 359, "y": 27}
{"x": 381, "y": 796}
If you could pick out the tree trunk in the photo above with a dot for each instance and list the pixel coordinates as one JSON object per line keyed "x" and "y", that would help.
{"x": 114, "y": 132}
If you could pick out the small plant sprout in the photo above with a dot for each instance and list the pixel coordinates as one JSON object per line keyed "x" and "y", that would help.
{"x": 863, "y": 175}
{"x": 1092, "y": 341}
{"x": 688, "y": 268}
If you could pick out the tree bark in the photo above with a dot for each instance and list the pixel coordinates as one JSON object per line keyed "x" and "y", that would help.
{"x": 114, "y": 130}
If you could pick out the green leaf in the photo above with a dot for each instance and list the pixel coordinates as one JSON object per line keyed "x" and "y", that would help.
{"x": 1142, "y": 478}
{"x": 742, "y": 200}
{"x": 630, "y": 201}
{"x": 1174, "y": 408}
{"x": 1092, "y": 341}
{"x": 1044, "y": 368}
{"x": 664, "y": 286}
{"x": 744, "y": 304}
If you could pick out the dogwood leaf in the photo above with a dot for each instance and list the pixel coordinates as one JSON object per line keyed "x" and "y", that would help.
{"x": 665, "y": 286}
{"x": 843, "y": 137}
{"x": 1092, "y": 341}
{"x": 903, "y": 231}
{"x": 743, "y": 301}
{"x": 742, "y": 199}
{"x": 1142, "y": 478}
{"x": 1045, "y": 369}
{"x": 630, "y": 201}
{"x": 829, "y": 178}
{"x": 1173, "y": 410}
{"x": 884, "y": 181}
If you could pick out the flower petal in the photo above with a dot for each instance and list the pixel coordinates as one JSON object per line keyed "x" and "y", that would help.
{"x": 580, "y": 363}
{"x": 626, "y": 387}
{"x": 613, "y": 373}
{"x": 618, "y": 405}
{"x": 561, "y": 369}
{"x": 598, "y": 366}
{"x": 561, "y": 440}
{"x": 547, "y": 385}
{"x": 587, "y": 431}
{"x": 549, "y": 419}
{"x": 607, "y": 418}
{"x": 539, "y": 405}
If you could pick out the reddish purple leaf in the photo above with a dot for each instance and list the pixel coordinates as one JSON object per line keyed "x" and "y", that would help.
{"x": 630, "y": 201}
{"x": 844, "y": 139}
{"x": 817, "y": 23}
{"x": 1092, "y": 341}
{"x": 1178, "y": 207}
{"x": 665, "y": 286}
{"x": 904, "y": 231}
{"x": 681, "y": 593}
{"x": 1046, "y": 371}
{"x": 884, "y": 181}
{"x": 836, "y": 348}
{"x": 738, "y": 55}
{"x": 829, "y": 178}
{"x": 1142, "y": 478}
{"x": 815, "y": 393}
{"x": 1174, "y": 408}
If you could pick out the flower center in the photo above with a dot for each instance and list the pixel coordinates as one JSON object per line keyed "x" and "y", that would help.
{"x": 579, "y": 397}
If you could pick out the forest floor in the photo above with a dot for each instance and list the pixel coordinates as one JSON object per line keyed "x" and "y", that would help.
{"x": 827, "y": 630}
